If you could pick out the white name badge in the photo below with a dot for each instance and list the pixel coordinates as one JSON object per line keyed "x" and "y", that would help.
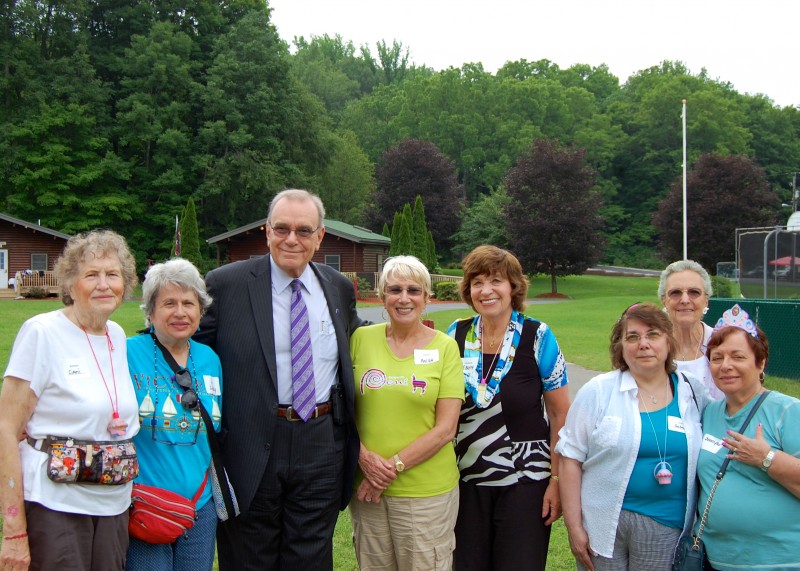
{"x": 675, "y": 424}
{"x": 711, "y": 443}
{"x": 426, "y": 356}
{"x": 470, "y": 365}
{"x": 75, "y": 368}
{"x": 212, "y": 385}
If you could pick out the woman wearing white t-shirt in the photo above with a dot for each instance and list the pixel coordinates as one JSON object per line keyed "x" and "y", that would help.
{"x": 67, "y": 382}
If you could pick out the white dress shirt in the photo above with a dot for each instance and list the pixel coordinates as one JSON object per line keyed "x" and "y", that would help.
{"x": 323, "y": 336}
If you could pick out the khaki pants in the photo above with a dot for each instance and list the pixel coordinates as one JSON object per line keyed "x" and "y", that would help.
{"x": 405, "y": 534}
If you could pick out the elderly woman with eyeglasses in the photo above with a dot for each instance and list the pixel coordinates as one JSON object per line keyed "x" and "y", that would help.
{"x": 684, "y": 289}
{"x": 409, "y": 389}
{"x": 629, "y": 451}
{"x": 173, "y": 447}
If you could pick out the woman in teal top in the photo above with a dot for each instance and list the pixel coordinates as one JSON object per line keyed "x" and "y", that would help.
{"x": 754, "y": 519}
{"x": 172, "y": 444}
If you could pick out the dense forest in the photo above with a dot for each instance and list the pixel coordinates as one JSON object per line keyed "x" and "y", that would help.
{"x": 115, "y": 112}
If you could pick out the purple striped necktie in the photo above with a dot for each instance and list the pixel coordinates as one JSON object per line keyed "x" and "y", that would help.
{"x": 303, "y": 394}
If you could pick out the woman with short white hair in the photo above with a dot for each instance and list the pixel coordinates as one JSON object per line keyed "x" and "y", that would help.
{"x": 409, "y": 390}
{"x": 174, "y": 452}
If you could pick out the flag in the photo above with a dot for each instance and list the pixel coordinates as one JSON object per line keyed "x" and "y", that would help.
{"x": 177, "y": 237}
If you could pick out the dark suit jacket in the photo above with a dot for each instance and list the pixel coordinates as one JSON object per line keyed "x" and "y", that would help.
{"x": 238, "y": 326}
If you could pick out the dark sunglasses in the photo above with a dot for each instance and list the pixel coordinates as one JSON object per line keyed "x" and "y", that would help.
{"x": 189, "y": 399}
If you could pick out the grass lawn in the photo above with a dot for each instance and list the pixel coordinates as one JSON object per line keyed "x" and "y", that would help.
{"x": 581, "y": 324}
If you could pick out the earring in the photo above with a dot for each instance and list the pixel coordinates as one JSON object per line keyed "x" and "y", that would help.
{"x": 761, "y": 377}
{"x": 384, "y": 316}
{"x": 705, "y": 310}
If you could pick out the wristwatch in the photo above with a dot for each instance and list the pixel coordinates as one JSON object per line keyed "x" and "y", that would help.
{"x": 767, "y": 461}
{"x": 398, "y": 464}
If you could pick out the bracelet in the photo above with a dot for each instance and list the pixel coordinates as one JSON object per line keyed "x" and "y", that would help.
{"x": 555, "y": 478}
{"x": 18, "y": 536}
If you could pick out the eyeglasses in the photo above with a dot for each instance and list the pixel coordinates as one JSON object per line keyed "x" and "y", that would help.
{"x": 651, "y": 336}
{"x": 189, "y": 398}
{"x": 677, "y": 294}
{"x": 412, "y": 291}
{"x": 303, "y": 232}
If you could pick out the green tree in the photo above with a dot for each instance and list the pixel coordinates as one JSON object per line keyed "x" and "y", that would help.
{"x": 395, "y": 234}
{"x": 405, "y": 238}
{"x": 190, "y": 236}
{"x": 347, "y": 181}
{"x": 552, "y": 219}
{"x": 421, "y": 235}
{"x": 484, "y": 222}
{"x": 386, "y": 232}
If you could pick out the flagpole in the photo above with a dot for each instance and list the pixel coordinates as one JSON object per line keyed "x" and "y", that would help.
{"x": 685, "y": 248}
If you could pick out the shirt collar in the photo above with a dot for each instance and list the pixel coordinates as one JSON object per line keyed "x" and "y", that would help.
{"x": 281, "y": 280}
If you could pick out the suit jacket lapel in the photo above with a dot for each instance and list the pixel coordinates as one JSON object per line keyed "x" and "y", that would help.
{"x": 259, "y": 285}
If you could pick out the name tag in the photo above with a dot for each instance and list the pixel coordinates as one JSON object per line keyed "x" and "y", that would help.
{"x": 470, "y": 364}
{"x": 75, "y": 368}
{"x": 212, "y": 385}
{"x": 425, "y": 356}
{"x": 675, "y": 424}
{"x": 711, "y": 443}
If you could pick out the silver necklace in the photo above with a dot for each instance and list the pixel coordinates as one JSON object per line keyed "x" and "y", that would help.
{"x": 663, "y": 471}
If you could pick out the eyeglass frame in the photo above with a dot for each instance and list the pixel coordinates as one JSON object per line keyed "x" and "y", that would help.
{"x": 180, "y": 377}
{"x": 303, "y": 233}
{"x": 676, "y": 294}
{"x": 412, "y": 291}
{"x": 652, "y": 336}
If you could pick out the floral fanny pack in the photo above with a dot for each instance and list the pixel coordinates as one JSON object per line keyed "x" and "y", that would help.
{"x": 71, "y": 461}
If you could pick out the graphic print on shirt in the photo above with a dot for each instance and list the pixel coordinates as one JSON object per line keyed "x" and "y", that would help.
{"x": 375, "y": 379}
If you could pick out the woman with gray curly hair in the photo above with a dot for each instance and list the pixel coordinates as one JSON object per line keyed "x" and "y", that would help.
{"x": 684, "y": 289}
{"x": 66, "y": 399}
{"x": 173, "y": 448}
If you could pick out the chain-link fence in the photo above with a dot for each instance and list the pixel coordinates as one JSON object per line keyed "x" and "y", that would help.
{"x": 768, "y": 262}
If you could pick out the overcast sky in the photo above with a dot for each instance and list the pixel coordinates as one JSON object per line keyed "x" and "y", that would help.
{"x": 754, "y": 44}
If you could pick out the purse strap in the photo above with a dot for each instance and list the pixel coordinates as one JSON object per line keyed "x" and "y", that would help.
{"x": 722, "y": 470}
{"x": 213, "y": 441}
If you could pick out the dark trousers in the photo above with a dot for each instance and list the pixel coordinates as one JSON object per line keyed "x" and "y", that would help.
{"x": 289, "y": 525}
{"x": 75, "y": 542}
{"x": 500, "y": 528}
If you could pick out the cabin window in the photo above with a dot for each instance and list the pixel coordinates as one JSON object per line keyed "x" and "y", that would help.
{"x": 39, "y": 262}
{"x": 334, "y": 261}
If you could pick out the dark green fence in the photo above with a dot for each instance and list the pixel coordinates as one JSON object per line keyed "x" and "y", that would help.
{"x": 779, "y": 319}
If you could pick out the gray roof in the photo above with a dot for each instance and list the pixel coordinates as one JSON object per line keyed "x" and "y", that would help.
{"x": 334, "y": 227}
{"x": 32, "y": 226}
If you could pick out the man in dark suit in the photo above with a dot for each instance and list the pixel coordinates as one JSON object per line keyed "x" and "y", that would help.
{"x": 291, "y": 476}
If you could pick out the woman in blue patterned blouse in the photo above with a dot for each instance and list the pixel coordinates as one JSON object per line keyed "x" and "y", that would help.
{"x": 509, "y": 477}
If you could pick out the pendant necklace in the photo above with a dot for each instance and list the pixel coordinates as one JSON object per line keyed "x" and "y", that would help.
{"x": 485, "y": 379}
{"x": 117, "y": 426}
{"x": 663, "y": 471}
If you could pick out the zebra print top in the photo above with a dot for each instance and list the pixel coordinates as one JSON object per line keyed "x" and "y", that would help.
{"x": 508, "y": 442}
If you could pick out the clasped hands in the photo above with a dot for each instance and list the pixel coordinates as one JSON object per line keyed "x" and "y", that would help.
{"x": 379, "y": 473}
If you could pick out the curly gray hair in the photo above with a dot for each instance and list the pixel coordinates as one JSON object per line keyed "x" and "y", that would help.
{"x": 177, "y": 272}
